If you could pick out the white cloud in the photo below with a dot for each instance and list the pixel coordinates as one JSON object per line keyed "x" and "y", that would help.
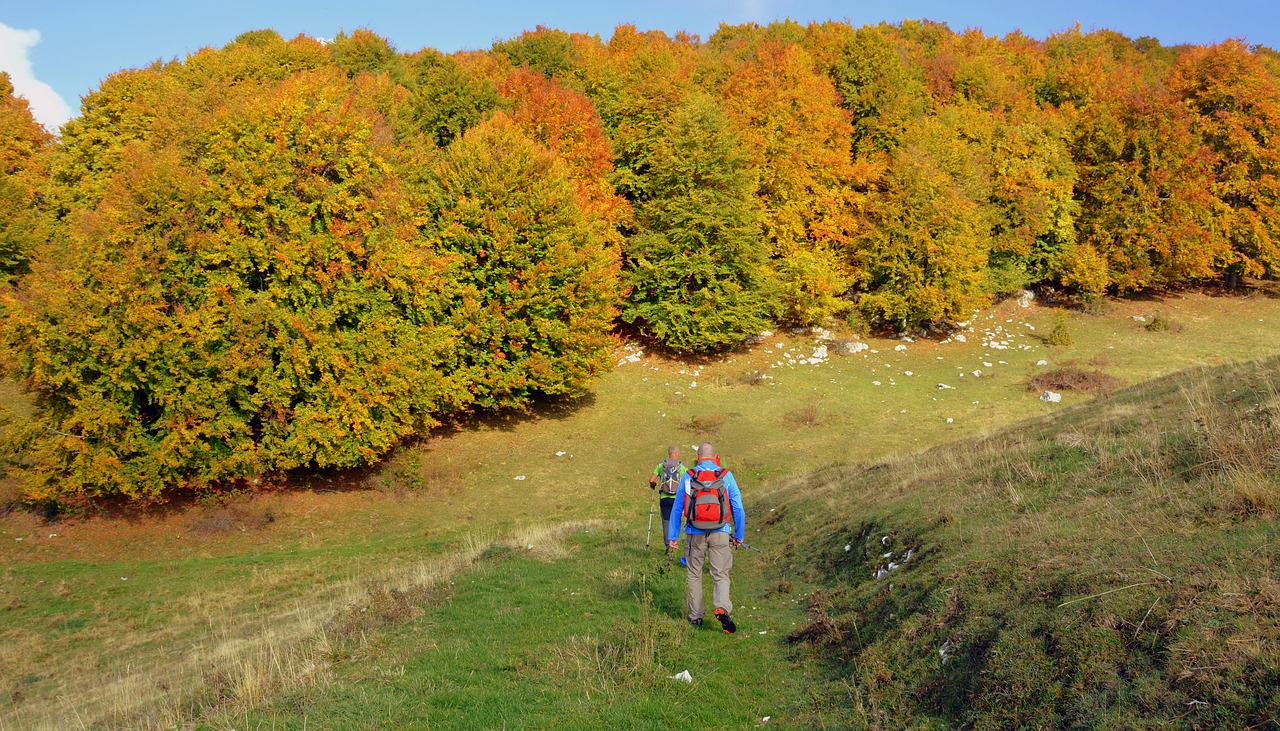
{"x": 48, "y": 108}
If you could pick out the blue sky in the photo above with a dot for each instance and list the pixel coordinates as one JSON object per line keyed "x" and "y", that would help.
{"x": 59, "y": 50}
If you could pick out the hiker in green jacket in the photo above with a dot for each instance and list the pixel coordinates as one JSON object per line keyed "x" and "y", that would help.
{"x": 666, "y": 480}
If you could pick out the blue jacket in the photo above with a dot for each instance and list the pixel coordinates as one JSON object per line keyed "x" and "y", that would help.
{"x": 739, "y": 525}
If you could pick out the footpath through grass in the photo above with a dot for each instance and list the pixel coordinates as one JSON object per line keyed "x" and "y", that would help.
{"x": 586, "y": 641}
{"x": 102, "y": 621}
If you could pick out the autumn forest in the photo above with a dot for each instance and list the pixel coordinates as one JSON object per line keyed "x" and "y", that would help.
{"x": 300, "y": 253}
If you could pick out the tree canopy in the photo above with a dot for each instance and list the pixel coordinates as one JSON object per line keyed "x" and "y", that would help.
{"x": 288, "y": 253}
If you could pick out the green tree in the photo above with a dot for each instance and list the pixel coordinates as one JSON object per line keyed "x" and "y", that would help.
{"x": 698, "y": 268}
{"x": 535, "y": 289}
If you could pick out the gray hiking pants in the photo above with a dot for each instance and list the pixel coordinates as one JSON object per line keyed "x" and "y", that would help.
{"x": 715, "y": 550}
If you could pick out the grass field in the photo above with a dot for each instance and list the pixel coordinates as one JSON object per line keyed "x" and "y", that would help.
{"x": 244, "y": 605}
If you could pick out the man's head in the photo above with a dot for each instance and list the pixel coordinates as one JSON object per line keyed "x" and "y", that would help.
{"x": 706, "y": 451}
{"x": 673, "y": 451}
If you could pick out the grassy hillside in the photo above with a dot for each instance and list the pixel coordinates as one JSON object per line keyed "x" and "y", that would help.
{"x": 1114, "y": 566}
{"x": 251, "y": 605}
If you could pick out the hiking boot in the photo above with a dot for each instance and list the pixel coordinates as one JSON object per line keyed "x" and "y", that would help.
{"x": 726, "y": 621}
{"x": 696, "y": 622}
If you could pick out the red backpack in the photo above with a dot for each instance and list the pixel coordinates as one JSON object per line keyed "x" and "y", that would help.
{"x": 707, "y": 506}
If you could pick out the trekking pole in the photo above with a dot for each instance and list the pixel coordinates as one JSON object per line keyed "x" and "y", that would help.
{"x": 649, "y": 531}
{"x": 753, "y": 548}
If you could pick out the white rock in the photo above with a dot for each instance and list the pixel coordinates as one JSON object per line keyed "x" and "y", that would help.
{"x": 561, "y": 454}
{"x": 848, "y": 547}
{"x": 977, "y": 374}
{"x": 682, "y": 675}
{"x": 1050, "y": 397}
{"x": 519, "y": 477}
{"x": 950, "y": 420}
{"x": 943, "y": 387}
{"x": 1042, "y": 362}
{"x": 900, "y": 348}
{"x": 959, "y": 338}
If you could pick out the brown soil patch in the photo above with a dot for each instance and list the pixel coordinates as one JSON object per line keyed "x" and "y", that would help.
{"x": 1071, "y": 378}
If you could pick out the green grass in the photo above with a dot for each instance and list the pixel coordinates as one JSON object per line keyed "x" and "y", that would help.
{"x": 583, "y": 642}
{"x": 1112, "y": 567}
{"x": 199, "y": 591}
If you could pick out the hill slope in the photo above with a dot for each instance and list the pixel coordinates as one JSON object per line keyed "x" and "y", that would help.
{"x": 1114, "y": 566}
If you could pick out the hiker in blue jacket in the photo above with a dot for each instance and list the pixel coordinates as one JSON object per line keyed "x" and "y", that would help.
{"x": 710, "y": 505}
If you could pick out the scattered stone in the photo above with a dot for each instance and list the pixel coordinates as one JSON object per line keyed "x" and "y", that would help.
{"x": 1042, "y": 362}
{"x": 1050, "y": 397}
{"x": 943, "y": 387}
{"x": 519, "y": 477}
{"x": 900, "y": 348}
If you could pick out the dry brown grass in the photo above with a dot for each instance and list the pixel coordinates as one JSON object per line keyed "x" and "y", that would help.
{"x": 1239, "y": 452}
{"x": 217, "y": 519}
{"x": 808, "y": 414}
{"x": 707, "y": 425}
{"x": 1071, "y": 378}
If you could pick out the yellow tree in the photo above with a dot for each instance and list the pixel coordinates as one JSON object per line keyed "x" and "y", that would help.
{"x": 797, "y": 137}
{"x": 1235, "y": 98}
{"x": 23, "y": 147}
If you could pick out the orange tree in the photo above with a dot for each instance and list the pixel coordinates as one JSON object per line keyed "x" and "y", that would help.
{"x": 1235, "y": 99}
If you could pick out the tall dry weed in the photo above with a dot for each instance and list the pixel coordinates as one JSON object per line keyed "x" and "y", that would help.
{"x": 1238, "y": 449}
